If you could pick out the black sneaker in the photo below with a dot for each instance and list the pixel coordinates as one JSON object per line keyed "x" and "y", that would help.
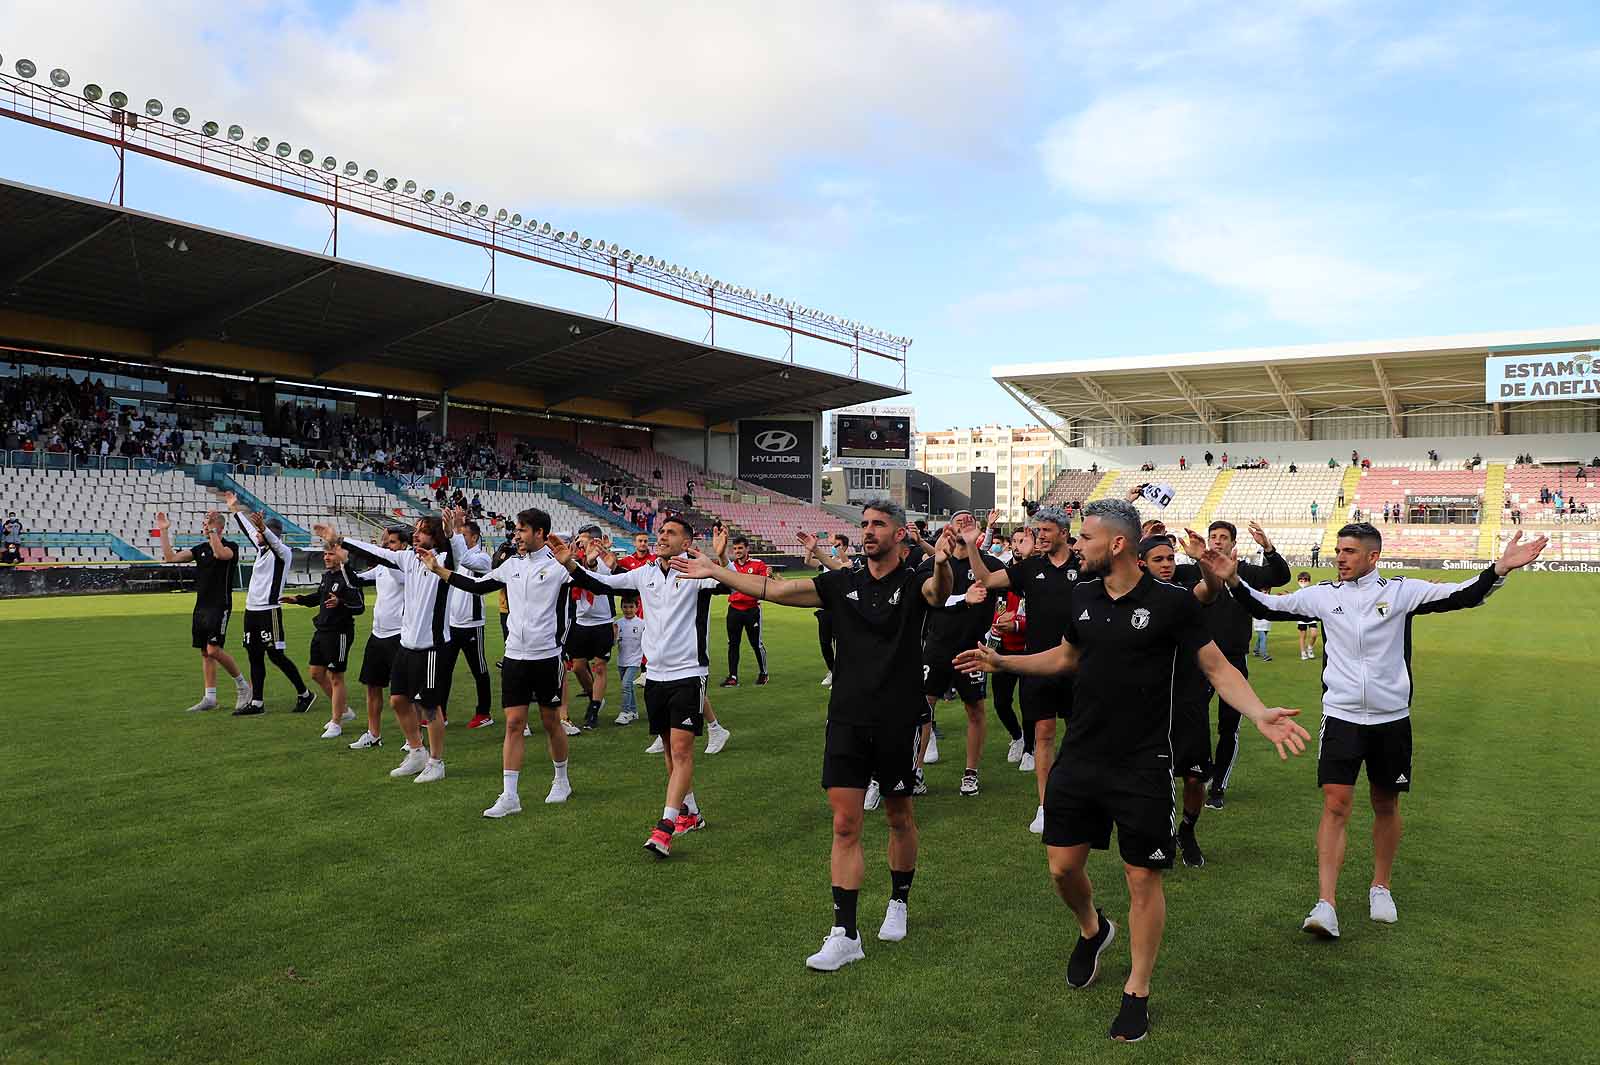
{"x": 1133, "y": 1019}
{"x": 1190, "y": 847}
{"x": 303, "y": 701}
{"x": 762, "y": 679}
{"x": 1215, "y": 799}
{"x": 729, "y": 682}
{"x": 251, "y": 711}
{"x": 591, "y": 720}
{"x": 1084, "y": 965}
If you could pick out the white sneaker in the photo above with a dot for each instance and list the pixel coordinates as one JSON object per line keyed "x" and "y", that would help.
{"x": 348, "y": 715}
{"x": 838, "y": 950}
{"x": 638, "y": 682}
{"x": 570, "y": 729}
{"x": 874, "y": 796}
{"x": 1036, "y": 826}
{"x": 716, "y": 738}
{"x": 656, "y": 747}
{"x": 893, "y": 929}
{"x": 827, "y": 680}
{"x": 626, "y": 718}
{"x": 1026, "y": 765}
{"x": 434, "y": 770}
{"x": 504, "y": 806}
{"x": 1382, "y": 905}
{"x": 333, "y": 731}
{"x": 560, "y": 791}
{"x": 207, "y": 703}
{"x": 1014, "y": 752}
{"x": 1322, "y": 921}
{"x": 367, "y": 740}
{"x": 527, "y": 731}
{"x": 932, "y": 755}
{"x": 414, "y": 762}
{"x": 241, "y": 696}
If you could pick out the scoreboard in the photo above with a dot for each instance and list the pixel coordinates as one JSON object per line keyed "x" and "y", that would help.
{"x": 871, "y": 441}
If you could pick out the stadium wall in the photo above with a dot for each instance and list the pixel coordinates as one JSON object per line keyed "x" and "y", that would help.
{"x": 690, "y": 446}
{"x": 1382, "y": 450}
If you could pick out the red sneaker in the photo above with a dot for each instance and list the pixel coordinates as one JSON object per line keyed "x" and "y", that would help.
{"x": 761, "y": 679}
{"x": 731, "y": 682}
{"x": 480, "y": 721}
{"x": 660, "y": 841}
{"x": 688, "y": 822}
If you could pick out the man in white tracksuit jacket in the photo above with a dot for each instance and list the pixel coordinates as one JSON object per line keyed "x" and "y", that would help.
{"x": 1367, "y": 693}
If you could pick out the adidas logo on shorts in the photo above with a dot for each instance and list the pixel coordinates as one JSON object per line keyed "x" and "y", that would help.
{"x": 1401, "y": 779}
{"x": 1158, "y": 855}
{"x": 688, "y": 722}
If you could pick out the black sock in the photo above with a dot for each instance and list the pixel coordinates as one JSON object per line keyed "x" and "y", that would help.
{"x": 844, "y": 909}
{"x": 900, "y": 891}
{"x": 286, "y": 665}
{"x": 594, "y": 706}
{"x": 1190, "y": 820}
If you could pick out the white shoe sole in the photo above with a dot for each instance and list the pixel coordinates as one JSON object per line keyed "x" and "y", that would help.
{"x": 554, "y": 797}
{"x": 824, "y": 967}
{"x": 495, "y": 814}
{"x": 1320, "y": 930}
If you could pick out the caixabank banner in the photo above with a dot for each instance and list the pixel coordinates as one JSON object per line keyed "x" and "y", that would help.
{"x": 780, "y": 455}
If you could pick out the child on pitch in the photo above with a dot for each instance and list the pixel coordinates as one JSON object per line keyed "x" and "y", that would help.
{"x": 630, "y": 654}
{"x": 1308, "y": 627}
{"x": 338, "y": 599}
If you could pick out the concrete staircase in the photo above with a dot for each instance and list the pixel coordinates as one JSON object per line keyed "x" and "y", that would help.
{"x": 1490, "y": 517}
{"x": 1213, "y": 498}
{"x": 1340, "y": 515}
{"x": 1103, "y": 489}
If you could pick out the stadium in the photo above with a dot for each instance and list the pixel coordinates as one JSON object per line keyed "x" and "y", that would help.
{"x": 210, "y": 887}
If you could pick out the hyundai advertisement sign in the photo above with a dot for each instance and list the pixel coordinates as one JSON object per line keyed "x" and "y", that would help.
{"x": 779, "y": 456}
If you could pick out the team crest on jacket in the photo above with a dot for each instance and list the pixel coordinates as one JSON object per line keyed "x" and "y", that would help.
{"x": 1072, "y": 574}
{"x": 1141, "y": 618}
{"x": 894, "y": 600}
{"x": 1383, "y": 609}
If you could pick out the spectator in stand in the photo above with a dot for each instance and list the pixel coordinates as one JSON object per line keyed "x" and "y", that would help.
{"x": 1293, "y": 468}
{"x": 1581, "y": 475}
{"x": 1183, "y": 462}
{"x": 655, "y": 474}
{"x": 1208, "y": 458}
{"x": 1224, "y": 460}
{"x": 1332, "y": 464}
{"x": 1433, "y": 456}
{"x": 1313, "y": 512}
{"x": 1544, "y": 493}
{"x": 1366, "y": 464}
{"x": 1355, "y": 458}
{"x": 649, "y": 517}
{"x": 11, "y": 556}
{"x": 12, "y": 525}
{"x": 1516, "y": 516}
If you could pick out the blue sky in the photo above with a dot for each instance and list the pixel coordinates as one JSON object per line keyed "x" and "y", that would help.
{"x": 1003, "y": 183}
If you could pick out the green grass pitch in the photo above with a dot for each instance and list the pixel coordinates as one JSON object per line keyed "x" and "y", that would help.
{"x": 203, "y": 888}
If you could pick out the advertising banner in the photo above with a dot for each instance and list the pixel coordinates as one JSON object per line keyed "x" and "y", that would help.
{"x": 779, "y": 455}
{"x": 1522, "y": 378}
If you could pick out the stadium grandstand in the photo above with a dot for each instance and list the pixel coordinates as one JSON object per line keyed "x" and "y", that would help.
{"x": 1401, "y": 433}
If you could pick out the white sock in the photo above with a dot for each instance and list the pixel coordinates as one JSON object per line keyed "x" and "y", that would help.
{"x": 1041, "y": 809}
{"x": 211, "y": 695}
{"x": 561, "y": 772}
{"x": 669, "y": 813}
{"x": 689, "y": 803}
{"x": 510, "y": 777}
{"x": 715, "y": 725}
{"x": 240, "y": 682}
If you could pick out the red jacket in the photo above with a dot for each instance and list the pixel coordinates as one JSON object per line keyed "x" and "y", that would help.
{"x": 1013, "y": 642}
{"x": 738, "y": 600}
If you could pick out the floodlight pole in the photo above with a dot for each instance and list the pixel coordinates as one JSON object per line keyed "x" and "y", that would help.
{"x": 712, "y": 295}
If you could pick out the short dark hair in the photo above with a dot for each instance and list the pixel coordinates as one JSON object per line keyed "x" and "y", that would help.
{"x": 630, "y": 597}
{"x": 473, "y": 526}
{"x": 740, "y": 539}
{"x": 275, "y": 525}
{"x": 1363, "y": 530}
{"x": 842, "y": 538}
{"x": 535, "y": 519}
{"x": 435, "y": 527}
{"x": 1303, "y": 577}
{"x": 682, "y": 522}
{"x": 401, "y": 532}
{"x": 1233, "y": 530}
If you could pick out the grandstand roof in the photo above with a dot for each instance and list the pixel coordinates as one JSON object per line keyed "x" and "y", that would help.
{"x": 94, "y": 278}
{"x": 1303, "y": 383}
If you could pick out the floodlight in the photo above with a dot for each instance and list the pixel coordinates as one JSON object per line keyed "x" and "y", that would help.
{"x": 370, "y": 177}
{"x": 449, "y": 198}
{"x": 427, "y": 197}
{"x": 409, "y": 188}
{"x": 614, "y": 250}
{"x": 532, "y": 225}
{"x": 180, "y": 115}
{"x": 587, "y": 244}
{"x": 329, "y": 163}
{"x": 307, "y": 157}
{"x": 465, "y": 206}
{"x": 261, "y": 144}
{"x": 284, "y": 150}
{"x": 26, "y": 68}
{"x": 119, "y": 99}
{"x": 92, "y": 92}
{"x": 627, "y": 253}
{"x": 235, "y": 131}
{"x": 544, "y": 230}
{"x": 153, "y": 108}
{"x": 501, "y": 215}
{"x": 60, "y": 78}
{"x": 516, "y": 221}
{"x": 390, "y": 184}
{"x": 210, "y": 129}
{"x": 573, "y": 236}
{"x": 561, "y": 234}
{"x": 483, "y": 210}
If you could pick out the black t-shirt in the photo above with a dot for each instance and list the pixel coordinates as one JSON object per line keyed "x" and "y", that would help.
{"x": 877, "y": 658}
{"x": 1128, "y": 654}
{"x": 214, "y": 579}
{"x": 955, "y": 628}
{"x": 1047, "y": 590}
{"x": 1191, "y": 686}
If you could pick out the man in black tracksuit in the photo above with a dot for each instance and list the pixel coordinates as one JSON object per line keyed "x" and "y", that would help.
{"x": 339, "y": 599}
{"x": 1229, "y": 624}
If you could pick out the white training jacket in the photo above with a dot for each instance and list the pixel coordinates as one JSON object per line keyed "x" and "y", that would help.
{"x": 593, "y": 608}
{"x": 677, "y": 611}
{"x": 537, "y": 591}
{"x": 423, "y": 624}
{"x": 270, "y": 570}
{"x": 466, "y": 609}
{"x": 1366, "y": 634}
{"x": 390, "y": 605}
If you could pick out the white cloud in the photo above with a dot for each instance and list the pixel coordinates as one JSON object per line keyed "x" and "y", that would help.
{"x": 628, "y": 104}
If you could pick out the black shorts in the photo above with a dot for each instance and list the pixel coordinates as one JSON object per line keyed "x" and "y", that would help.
{"x": 1044, "y": 698}
{"x": 423, "y": 677}
{"x": 586, "y": 642}
{"x": 264, "y": 628}
{"x": 1304, "y": 625}
{"x": 377, "y": 661}
{"x": 210, "y": 626}
{"x": 1386, "y": 749}
{"x": 939, "y": 676}
{"x": 1191, "y": 739}
{"x": 675, "y": 704}
{"x": 532, "y": 682}
{"x": 1082, "y": 801}
{"x": 855, "y": 755}
{"x": 331, "y": 648}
